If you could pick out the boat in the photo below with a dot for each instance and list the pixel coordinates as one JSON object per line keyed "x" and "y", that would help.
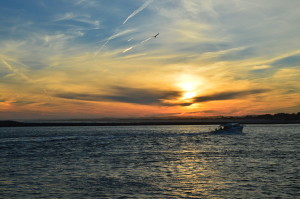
{"x": 229, "y": 128}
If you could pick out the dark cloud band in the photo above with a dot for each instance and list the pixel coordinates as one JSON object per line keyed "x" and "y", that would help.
{"x": 126, "y": 95}
{"x": 155, "y": 97}
{"x": 228, "y": 95}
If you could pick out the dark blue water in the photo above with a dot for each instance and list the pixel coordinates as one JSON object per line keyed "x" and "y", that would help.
{"x": 149, "y": 162}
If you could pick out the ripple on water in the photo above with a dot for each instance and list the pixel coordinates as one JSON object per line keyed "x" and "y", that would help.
{"x": 149, "y": 162}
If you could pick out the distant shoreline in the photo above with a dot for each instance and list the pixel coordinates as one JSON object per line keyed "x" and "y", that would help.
{"x": 279, "y": 118}
{"x": 137, "y": 123}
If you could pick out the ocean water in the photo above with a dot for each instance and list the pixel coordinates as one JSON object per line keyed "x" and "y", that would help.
{"x": 149, "y": 162}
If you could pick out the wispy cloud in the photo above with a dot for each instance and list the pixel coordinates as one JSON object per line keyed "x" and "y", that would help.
{"x": 126, "y": 95}
{"x": 23, "y": 102}
{"x": 86, "y": 3}
{"x": 228, "y": 95}
{"x": 274, "y": 65}
{"x": 145, "y": 5}
{"x": 81, "y": 18}
{"x": 66, "y": 16}
{"x": 15, "y": 70}
{"x": 289, "y": 61}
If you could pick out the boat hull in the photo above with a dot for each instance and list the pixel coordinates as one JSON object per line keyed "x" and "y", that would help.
{"x": 229, "y": 130}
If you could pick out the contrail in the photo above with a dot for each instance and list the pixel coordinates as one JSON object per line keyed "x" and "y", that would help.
{"x": 120, "y": 34}
{"x": 128, "y": 49}
{"x": 138, "y": 10}
{"x": 137, "y": 45}
{"x": 113, "y": 37}
{"x": 126, "y": 31}
{"x": 23, "y": 76}
{"x": 16, "y": 71}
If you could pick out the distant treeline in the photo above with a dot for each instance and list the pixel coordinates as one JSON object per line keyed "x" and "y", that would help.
{"x": 270, "y": 117}
{"x": 278, "y": 118}
{"x": 283, "y": 118}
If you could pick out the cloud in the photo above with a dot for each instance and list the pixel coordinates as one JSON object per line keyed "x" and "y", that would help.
{"x": 274, "y": 66}
{"x": 240, "y": 53}
{"x": 261, "y": 67}
{"x": 66, "y": 16}
{"x": 71, "y": 19}
{"x": 228, "y": 95}
{"x": 126, "y": 95}
{"x": 16, "y": 71}
{"x": 85, "y": 3}
{"x": 155, "y": 97}
{"x": 146, "y": 4}
{"x": 23, "y": 102}
{"x": 290, "y": 61}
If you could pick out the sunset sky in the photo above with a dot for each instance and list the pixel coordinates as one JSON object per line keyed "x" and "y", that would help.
{"x": 99, "y": 58}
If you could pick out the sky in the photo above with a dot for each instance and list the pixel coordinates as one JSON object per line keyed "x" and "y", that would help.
{"x": 99, "y": 58}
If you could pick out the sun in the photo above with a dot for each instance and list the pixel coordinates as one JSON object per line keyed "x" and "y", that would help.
{"x": 190, "y": 86}
{"x": 189, "y": 89}
{"x": 187, "y": 86}
{"x": 189, "y": 95}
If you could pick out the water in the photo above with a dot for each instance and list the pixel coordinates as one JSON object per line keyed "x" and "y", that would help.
{"x": 149, "y": 162}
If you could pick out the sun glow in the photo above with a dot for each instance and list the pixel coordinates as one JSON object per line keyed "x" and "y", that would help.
{"x": 189, "y": 95}
{"x": 189, "y": 90}
{"x": 189, "y": 85}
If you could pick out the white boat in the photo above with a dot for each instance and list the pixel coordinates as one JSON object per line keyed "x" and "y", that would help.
{"x": 229, "y": 128}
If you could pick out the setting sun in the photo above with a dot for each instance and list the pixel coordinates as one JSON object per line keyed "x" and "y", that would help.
{"x": 190, "y": 86}
{"x": 189, "y": 95}
{"x": 187, "y": 86}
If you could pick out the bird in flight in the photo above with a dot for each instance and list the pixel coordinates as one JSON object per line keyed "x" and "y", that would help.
{"x": 156, "y": 35}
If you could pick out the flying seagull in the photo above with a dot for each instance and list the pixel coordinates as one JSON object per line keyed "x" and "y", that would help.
{"x": 156, "y": 35}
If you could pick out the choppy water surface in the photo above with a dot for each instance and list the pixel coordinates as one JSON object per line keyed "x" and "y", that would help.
{"x": 149, "y": 162}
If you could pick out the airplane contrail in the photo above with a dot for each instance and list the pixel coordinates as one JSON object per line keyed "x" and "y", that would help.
{"x": 146, "y": 4}
{"x": 138, "y": 10}
{"x": 113, "y": 37}
{"x": 127, "y": 49}
{"x": 137, "y": 45}
{"x": 120, "y": 34}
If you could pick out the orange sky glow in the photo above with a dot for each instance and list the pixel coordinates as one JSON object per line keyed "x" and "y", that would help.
{"x": 211, "y": 58}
